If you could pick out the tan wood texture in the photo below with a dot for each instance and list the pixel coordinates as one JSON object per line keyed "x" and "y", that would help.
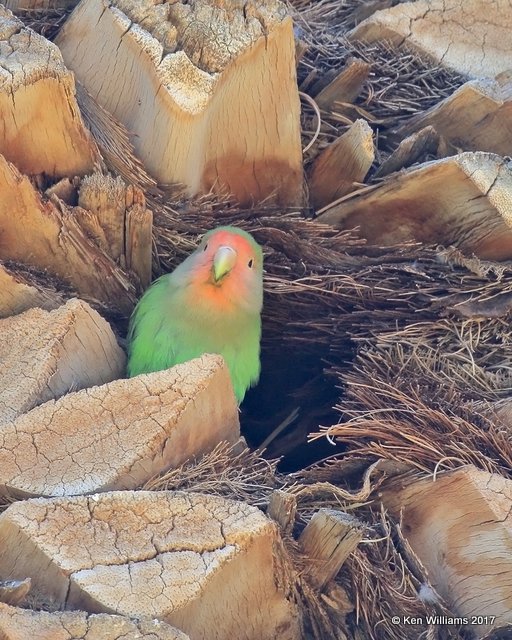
{"x": 45, "y": 354}
{"x": 464, "y": 200}
{"x": 120, "y": 434}
{"x": 42, "y": 129}
{"x": 460, "y": 527}
{"x": 472, "y": 37}
{"x": 214, "y": 108}
{"x": 200, "y": 562}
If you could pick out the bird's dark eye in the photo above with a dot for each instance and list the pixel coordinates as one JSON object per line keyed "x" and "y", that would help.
{"x": 205, "y": 247}
{"x": 250, "y": 263}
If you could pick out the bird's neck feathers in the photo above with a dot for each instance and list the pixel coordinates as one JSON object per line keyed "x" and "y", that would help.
{"x": 233, "y": 296}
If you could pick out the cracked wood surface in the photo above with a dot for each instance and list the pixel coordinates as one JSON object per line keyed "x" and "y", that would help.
{"x": 339, "y": 168}
{"x": 24, "y": 624}
{"x": 200, "y": 562}
{"x": 48, "y": 236}
{"x": 208, "y": 89}
{"x": 477, "y": 117}
{"x": 18, "y": 293}
{"x": 44, "y": 354}
{"x": 42, "y": 130}
{"x": 473, "y": 37}
{"x": 460, "y": 527}
{"x": 119, "y": 435}
{"x": 464, "y": 200}
{"x": 126, "y": 223}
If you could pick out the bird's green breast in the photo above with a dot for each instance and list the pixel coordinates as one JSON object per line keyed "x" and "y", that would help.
{"x": 168, "y": 329}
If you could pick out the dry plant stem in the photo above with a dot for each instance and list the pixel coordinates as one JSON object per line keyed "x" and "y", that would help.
{"x": 279, "y": 429}
{"x": 282, "y": 507}
{"x": 310, "y": 100}
{"x": 328, "y": 539}
{"x": 342, "y": 166}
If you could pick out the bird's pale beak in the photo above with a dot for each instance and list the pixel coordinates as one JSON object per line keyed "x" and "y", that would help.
{"x": 223, "y": 261}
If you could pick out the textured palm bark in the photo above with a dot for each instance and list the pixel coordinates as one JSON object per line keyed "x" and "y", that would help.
{"x": 120, "y": 434}
{"x": 44, "y": 355}
{"x": 342, "y": 166}
{"x": 345, "y": 87}
{"x": 18, "y": 624}
{"x": 464, "y": 200}
{"x": 42, "y": 130}
{"x": 477, "y": 117}
{"x": 125, "y": 222}
{"x": 18, "y": 293}
{"x": 472, "y": 37}
{"x": 460, "y": 528}
{"x": 208, "y": 90}
{"x": 48, "y": 235}
{"x": 200, "y": 562}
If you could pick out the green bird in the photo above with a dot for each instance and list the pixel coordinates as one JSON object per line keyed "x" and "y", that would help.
{"x": 211, "y": 303}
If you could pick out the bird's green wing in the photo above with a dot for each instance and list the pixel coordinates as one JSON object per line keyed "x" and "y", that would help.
{"x": 153, "y": 333}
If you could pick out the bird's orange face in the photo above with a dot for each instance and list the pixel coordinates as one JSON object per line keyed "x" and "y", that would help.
{"x": 227, "y": 271}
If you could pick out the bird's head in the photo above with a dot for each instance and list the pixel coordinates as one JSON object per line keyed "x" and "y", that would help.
{"x": 227, "y": 267}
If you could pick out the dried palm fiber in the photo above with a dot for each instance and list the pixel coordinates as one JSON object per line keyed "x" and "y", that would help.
{"x": 327, "y": 298}
{"x": 44, "y": 20}
{"x": 402, "y": 405}
{"x": 113, "y": 140}
{"x": 394, "y": 318}
{"x": 421, "y": 395}
{"x": 418, "y": 387}
{"x": 418, "y": 394}
{"x": 401, "y": 83}
{"x": 46, "y": 282}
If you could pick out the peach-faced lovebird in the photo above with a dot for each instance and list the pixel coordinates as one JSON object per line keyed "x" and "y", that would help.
{"x": 211, "y": 303}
